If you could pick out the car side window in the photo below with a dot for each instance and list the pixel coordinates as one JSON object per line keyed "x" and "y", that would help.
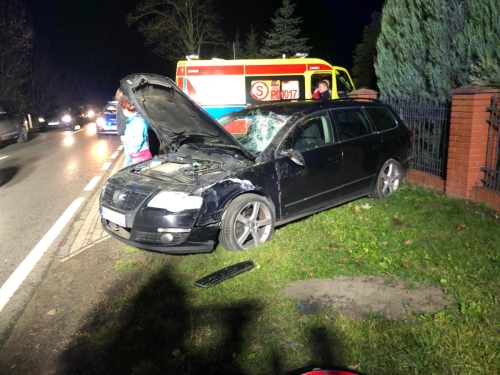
{"x": 382, "y": 118}
{"x": 351, "y": 123}
{"x": 311, "y": 132}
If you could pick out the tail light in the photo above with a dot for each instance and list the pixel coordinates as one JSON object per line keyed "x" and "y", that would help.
{"x": 411, "y": 135}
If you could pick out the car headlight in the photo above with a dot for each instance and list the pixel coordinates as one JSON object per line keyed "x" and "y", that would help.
{"x": 41, "y": 119}
{"x": 175, "y": 201}
{"x": 90, "y": 113}
{"x": 100, "y": 121}
{"x": 66, "y": 118}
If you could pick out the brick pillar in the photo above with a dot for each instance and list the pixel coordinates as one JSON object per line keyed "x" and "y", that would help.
{"x": 468, "y": 139}
{"x": 361, "y": 94}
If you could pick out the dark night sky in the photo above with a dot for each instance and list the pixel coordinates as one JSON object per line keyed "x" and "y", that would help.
{"x": 91, "y": 36}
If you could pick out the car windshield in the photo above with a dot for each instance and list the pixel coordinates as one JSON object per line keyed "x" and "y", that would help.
{"x": 254, "y": 128}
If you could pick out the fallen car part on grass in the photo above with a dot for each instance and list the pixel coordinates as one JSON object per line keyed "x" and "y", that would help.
{"x": 224, "y": 274}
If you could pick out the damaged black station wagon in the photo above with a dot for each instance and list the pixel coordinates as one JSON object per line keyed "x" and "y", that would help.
{"x": 284, "y": 160}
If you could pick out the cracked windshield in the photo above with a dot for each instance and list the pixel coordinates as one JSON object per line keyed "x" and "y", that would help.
{"x": 254, "y": 129}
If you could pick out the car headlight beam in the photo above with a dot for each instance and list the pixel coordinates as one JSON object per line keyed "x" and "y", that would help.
{"x": 175, "y": 201}
{"x": 66, "y": 118}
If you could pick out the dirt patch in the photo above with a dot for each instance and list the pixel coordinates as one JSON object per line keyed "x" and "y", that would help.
{"x": 355, "y": 297}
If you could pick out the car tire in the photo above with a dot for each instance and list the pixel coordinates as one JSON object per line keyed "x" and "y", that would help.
{"x": 248, "y": 215}
{"x": 388, "y": 179}
{"x": 23, "y": 133}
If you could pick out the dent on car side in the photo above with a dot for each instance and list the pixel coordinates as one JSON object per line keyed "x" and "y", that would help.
{"x": 207, "y": 162}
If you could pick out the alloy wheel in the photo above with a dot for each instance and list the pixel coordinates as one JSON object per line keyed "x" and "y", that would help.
{"x": 253, "y": 225}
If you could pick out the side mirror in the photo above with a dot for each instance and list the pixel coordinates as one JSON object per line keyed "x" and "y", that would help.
{"x": 294, "y": 156}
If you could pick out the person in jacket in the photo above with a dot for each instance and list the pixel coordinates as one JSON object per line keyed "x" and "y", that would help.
{"x": 120, "y": 123}
{"x": 322, "y": 92}
{"x": 135, "y": 138}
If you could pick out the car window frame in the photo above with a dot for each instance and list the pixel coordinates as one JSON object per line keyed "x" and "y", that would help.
{"x": 337, "y": 126}
{"x": 324, "y": 112}
{"x": 396, "y": 122}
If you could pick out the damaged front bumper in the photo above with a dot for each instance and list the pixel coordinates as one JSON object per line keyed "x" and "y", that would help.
{"x": 168, "y": 240}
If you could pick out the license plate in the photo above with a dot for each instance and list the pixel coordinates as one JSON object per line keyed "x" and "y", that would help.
{"x": 113, "y": 216}
{"x": 53, "y": 123}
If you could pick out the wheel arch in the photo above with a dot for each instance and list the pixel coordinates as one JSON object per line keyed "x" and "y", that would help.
{"x": 219, "y": 196}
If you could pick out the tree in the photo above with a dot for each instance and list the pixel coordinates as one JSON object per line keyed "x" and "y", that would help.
{"x": 283, "y": 38}
{"x": 428, "y": 47}
{"x": 252, "y": 46}
{"x": 177, "y": 28}
{"x": 363, "y": 70}
{"x": 16, "y": 36}
{"x": 238, "y": 51}
{"x": 482, "y": 37}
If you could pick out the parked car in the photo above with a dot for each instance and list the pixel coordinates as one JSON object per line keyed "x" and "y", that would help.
{"x": 106, "y": 122}
{"x": 296, "y": 159}
{"x": 68, "y": 118}
{"x": 13, "y": 123}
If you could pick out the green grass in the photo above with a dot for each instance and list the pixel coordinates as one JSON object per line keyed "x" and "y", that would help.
{"x": 125, "y": 265}
{"x": 163, "y": 324}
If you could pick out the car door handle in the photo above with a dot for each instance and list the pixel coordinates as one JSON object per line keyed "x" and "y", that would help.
{"x": 336, "y": 160}
{"x": 376, "y": 148}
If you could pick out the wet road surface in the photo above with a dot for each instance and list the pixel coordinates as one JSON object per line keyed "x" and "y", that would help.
{"x": 39, "y": 179}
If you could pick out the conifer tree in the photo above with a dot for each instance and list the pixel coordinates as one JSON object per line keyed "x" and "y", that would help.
{"x": 283, "y": 38}
{"x": 252, "y": 44}
{"x": 363, "y": 71}
{"x": 428, "y": 47}
{"x": 236, "y": 48}
{"x": 482, "y": 37}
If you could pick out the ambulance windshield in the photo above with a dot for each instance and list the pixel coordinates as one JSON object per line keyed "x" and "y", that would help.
{"x": 254, "y": 129}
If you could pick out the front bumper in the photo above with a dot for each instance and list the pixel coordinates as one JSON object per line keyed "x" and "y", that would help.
{"x": 105, "y": 130}
{"x": 198, "y": 240}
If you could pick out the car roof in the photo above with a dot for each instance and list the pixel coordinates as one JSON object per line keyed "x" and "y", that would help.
{"x": 307, "y": 106}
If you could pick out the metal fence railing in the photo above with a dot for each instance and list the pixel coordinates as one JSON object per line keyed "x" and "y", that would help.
{"x": 429, "y": 121}
{"x": 492, "y": 169}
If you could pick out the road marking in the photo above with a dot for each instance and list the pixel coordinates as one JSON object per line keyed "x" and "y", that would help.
{"x": 3, "y": 157}
{"x": 105, "y": 166}
{"x": 91, "y": 185}
{"x": 114, "y": 155}
{"x": 23, "y": 270}
{"x": 120, "y": 148}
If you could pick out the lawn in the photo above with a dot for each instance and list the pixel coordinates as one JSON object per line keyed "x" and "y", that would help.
{"x": 157, "y": 322}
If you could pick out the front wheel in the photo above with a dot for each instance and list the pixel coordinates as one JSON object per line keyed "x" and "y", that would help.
{"x": 388, "y": 180}
{"x": 248, "y": 222}
{"x": 23, "y": 133}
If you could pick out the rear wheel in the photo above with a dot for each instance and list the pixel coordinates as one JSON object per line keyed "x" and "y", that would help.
{"x": 248, "y": 222}
{"x": 23, "y": 133}
{"x": 389, "y": 179}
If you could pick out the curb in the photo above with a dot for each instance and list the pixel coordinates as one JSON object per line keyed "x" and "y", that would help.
{"x": 87, "y": 230}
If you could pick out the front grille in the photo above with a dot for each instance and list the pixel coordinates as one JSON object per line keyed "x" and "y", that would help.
{"x": 130, "y": 199}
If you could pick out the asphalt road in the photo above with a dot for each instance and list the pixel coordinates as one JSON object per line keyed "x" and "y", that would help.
{"x": 39, "y": 179}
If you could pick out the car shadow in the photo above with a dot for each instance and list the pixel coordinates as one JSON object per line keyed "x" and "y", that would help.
{"x": 15, "y": 170}
{"x": 7, "y": 174}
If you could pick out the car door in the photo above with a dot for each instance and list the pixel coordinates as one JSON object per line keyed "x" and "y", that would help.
{"x": 361, "y": 149}
{"x": 316, "y": 183}
{"x": 6, "y": 123}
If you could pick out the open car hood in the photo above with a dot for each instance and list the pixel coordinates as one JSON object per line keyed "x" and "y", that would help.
{"x": 171, "y": 113}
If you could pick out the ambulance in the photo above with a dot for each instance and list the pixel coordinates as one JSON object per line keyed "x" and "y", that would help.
{"x": 223, "y": 86}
